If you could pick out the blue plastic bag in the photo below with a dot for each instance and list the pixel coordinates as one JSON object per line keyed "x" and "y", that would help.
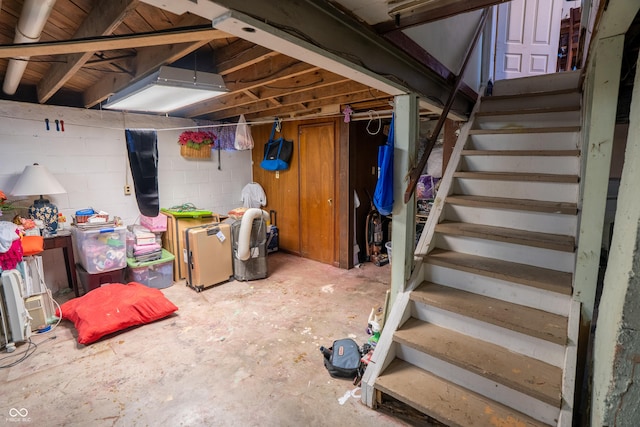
{"x": 383, "y": 196}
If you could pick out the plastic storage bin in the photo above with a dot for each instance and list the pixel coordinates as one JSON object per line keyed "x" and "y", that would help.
{"x": 155, "y": 274}
{"x": 93, "y": 281}
{"x": 100, "y": 250}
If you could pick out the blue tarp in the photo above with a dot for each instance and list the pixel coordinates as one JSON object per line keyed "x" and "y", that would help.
{"x": 383, "y": 196}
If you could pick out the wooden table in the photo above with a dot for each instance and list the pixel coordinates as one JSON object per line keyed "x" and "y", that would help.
{"x": 64, "y": 242}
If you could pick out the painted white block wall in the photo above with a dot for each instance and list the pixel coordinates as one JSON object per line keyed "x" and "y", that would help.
{"x": 90, "y": 160}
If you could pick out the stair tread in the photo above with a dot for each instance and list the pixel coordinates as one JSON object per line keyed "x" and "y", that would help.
{"x": 518, "y": 176}
{"x": 490, "y": 98}
{"x": 557, "y": 242}
{"x": 446, "y": 402}
{"x": 541, "y": 278}
{"x": 540, "y": 153}
{"x": 529, "y": 321}
{"x": 524, "y": 130}
{"x": 525, "y": 111}
{"x": 533, "y": 377}
{"x": 544, "y": 206}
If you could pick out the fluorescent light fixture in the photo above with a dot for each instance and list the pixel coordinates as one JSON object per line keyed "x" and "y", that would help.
{"x": 166, "y": 90}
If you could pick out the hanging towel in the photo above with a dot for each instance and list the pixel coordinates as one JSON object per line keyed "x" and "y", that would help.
{"x": 383, "y": 196}
{"x": 142, "y": 147}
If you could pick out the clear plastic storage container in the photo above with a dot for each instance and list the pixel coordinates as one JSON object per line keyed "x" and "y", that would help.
{"x": 155, "y": 274}
{"x": 100, "y": 250}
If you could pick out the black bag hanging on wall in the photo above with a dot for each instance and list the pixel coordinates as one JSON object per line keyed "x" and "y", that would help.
{"x": 277, "y": 153}
{"x": 142, "y": 147}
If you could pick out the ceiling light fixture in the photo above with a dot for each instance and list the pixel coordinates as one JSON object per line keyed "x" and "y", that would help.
{"x": 166, "y": 90}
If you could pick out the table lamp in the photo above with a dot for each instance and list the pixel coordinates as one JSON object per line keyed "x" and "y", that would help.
{"x": 37, "y": 180}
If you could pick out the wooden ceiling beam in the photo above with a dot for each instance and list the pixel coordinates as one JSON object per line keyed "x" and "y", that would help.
{"x": 103, "y": 19}
{"x": 240, "y": 54}
{"x": 295, "y": 109}
{"x": 94, "y": 44}
{"x": 314, "y": 79}
{"x": 264, "y": 109}
{"x": 271, "y": 70}
{"x": 147, "y": 60}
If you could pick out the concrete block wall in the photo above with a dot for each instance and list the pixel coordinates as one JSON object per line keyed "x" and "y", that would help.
{"x": 90, "y": 160}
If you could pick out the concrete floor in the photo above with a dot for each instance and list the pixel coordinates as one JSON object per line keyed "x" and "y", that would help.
{"x": 241, "y": 354}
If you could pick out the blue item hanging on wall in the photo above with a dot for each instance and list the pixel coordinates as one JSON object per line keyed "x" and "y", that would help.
{"x": 383, "y": 196}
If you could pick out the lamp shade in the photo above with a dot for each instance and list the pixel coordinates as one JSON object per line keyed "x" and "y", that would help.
{"x": 166, "y": 90}
{"x": 37, "y": 180}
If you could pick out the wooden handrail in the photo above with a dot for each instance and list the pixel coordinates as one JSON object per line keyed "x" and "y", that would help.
{"x": 415, "y": 172}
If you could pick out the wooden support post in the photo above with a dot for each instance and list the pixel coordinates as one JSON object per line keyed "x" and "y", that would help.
{"x": 404, "y": 215}
{"x": 602, "y": 90}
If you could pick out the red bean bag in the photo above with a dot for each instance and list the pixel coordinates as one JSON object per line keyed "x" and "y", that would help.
{"x": 114, "y": 307}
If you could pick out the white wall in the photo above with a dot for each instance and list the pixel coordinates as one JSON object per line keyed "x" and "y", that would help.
{"x": 90, "y": 160}
{"x": 448, "y": 39}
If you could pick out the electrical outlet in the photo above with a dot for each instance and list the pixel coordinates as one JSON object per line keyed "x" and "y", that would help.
{"x": 127, "y": 190}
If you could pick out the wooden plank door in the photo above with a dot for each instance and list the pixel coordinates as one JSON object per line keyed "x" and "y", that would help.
{"x": 528, "y": 36}
{"x": 317, "y": 191}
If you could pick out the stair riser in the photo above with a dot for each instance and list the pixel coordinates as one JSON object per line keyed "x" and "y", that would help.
{"x": 536, "y": 120}
{"x": 495, "y": 391}
{"x": 536, "y": 348}
{"x": 499, "y": 289}
{"x": 525, "y": 141}
{"x": 532, "y": 221}
{"x": 524, "y": 164}
{"x": 549, "y": 191}
{"x": 491, "y": 104}
{"x": 538, "y": 257}
{"x": 532, "y": 84}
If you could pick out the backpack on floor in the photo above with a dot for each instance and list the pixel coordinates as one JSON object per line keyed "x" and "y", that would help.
{"x": 342, "y": 359}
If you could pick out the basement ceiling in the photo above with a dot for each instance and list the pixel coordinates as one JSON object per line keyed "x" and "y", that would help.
{"x": 90, "y": 49}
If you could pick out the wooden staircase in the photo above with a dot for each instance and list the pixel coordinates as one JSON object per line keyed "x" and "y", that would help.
{"x": 486, "y": 331}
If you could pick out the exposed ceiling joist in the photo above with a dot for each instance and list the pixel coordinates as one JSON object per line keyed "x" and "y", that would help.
{"x": 312, "y": 105}
{"x": 313, "y": 79}
{"x": 103, "y": 19}
{"x": 94, "y": 44}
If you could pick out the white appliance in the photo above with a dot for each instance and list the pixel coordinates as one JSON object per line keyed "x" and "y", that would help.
{"x": 16, "y": 324}
{"x": 37, "y": 308}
